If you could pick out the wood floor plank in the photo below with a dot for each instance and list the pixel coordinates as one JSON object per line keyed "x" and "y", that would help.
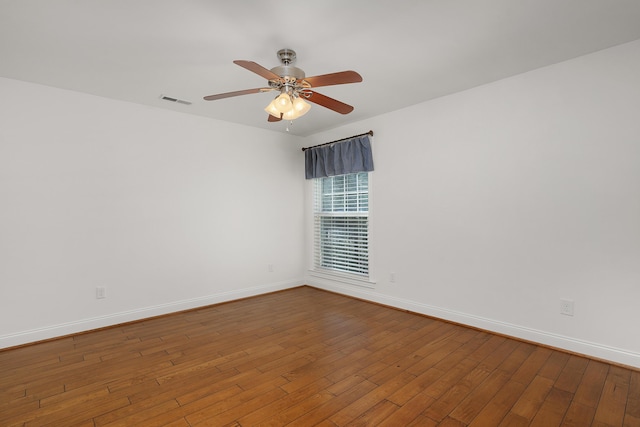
{"x": 450, "y": 422}
{"x": 338, "y": 402}
{"x": 57, "y": 411}
{"x": 143, "y": 416}
{"x": 469, "y": 407}
{"x": 514, "y": 361}
{"x": 554, "y": 365}
{"x": 363, "y": 404}
{"x": 232, "y": 408}
{"x": 422, "y": 421}
{"x": 408, "y": 412}
{"x": 592, "y": 384}
{"x": 450, "y": 378}
{"x": 451, "y": 399}
{"x": 553, "y": 409}
{"x": 305, "y": 357}
{"x": 578, "y": 415}
{"x": 86, "y": 415}
{"x": 532, "y": 398}
{"x": 613, "y": 401}
{"x": 571, "y": 375}
{"x": 498, "y": 407}
{"x": 354, "y": 363}
{"x": 633, "y": 398}
{"x": 530, "y": 367}
{"x": 416, "y": 386}
{"x": 503, "y": 352}
{"x": 292, "y": 414}
{"x": 374, "y": 415}
{"x": 288, "y": 401}
{"x": 631, "y": 421}
{"x": 488, "y": 348}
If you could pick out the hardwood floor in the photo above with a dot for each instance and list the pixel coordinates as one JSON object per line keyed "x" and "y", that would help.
{"x": 307, "y": 357}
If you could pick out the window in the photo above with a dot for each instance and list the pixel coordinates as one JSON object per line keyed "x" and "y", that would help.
{"x": 341, "y": 223}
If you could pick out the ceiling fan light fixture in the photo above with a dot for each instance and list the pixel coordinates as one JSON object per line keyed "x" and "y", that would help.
{"x": 297, "y": 107}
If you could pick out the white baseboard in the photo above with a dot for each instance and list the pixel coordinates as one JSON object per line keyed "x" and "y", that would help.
{"x": 589, "y": 349}
{"x": 69, "y": 328}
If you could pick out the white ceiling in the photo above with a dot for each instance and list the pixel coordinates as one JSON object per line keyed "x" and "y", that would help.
{"x": 407, "y": 51}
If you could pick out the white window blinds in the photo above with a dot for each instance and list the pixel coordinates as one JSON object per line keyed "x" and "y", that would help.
{"x": 341, "y": 223}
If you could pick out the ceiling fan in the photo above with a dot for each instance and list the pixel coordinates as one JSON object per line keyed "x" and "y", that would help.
{"x": 294, "y": 88}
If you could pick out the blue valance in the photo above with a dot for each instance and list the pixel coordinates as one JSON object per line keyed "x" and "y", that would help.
{"x": 339, "y": 158}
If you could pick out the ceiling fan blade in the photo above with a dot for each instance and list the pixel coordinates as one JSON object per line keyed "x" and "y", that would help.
{"x": 274, "y": 119}
{"x": 330, "y": 103}
{"x": 236, "y": 93}
{"x": 340, "y": 78}
{"x": 258, "y": 69}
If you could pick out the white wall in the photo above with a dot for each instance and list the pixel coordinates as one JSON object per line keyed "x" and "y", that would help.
{"x": 167, "y": 211}
{"x": 493, "y": 204}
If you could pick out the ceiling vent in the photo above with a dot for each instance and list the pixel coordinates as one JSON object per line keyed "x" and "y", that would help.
{"x": 171, "y": 99}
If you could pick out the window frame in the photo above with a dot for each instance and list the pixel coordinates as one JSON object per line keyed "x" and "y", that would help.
{"x": 333, "y": 274}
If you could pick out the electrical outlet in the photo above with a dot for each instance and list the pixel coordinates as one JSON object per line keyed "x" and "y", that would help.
{"x": 101, "y": 292}
{"x": 270, "y": 268}
{"x": 392, "y": 277}
{"x": 566, "y": 307}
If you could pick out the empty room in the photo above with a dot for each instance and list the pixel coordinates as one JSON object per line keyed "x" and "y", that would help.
{"x": 407, "y": 213}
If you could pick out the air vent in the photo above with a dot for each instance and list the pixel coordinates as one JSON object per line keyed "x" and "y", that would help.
{"x": 171, "y": 99}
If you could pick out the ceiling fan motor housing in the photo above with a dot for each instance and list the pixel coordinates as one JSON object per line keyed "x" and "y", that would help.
{"x": 288, "y": 57}
{"x": 289, "y": 71}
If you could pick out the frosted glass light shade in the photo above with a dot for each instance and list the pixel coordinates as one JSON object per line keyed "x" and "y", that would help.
{"x": 283, "y": 102}
{"x": 292, "y": 114}
{"x": 301, "y": 106}
{"x": 271, "y": 109}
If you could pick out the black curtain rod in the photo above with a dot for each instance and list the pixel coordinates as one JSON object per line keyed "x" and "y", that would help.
{"x": 338, "y": 140}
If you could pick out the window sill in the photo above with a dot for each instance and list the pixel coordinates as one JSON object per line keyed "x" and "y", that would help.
{"x": 349, "y": 279}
